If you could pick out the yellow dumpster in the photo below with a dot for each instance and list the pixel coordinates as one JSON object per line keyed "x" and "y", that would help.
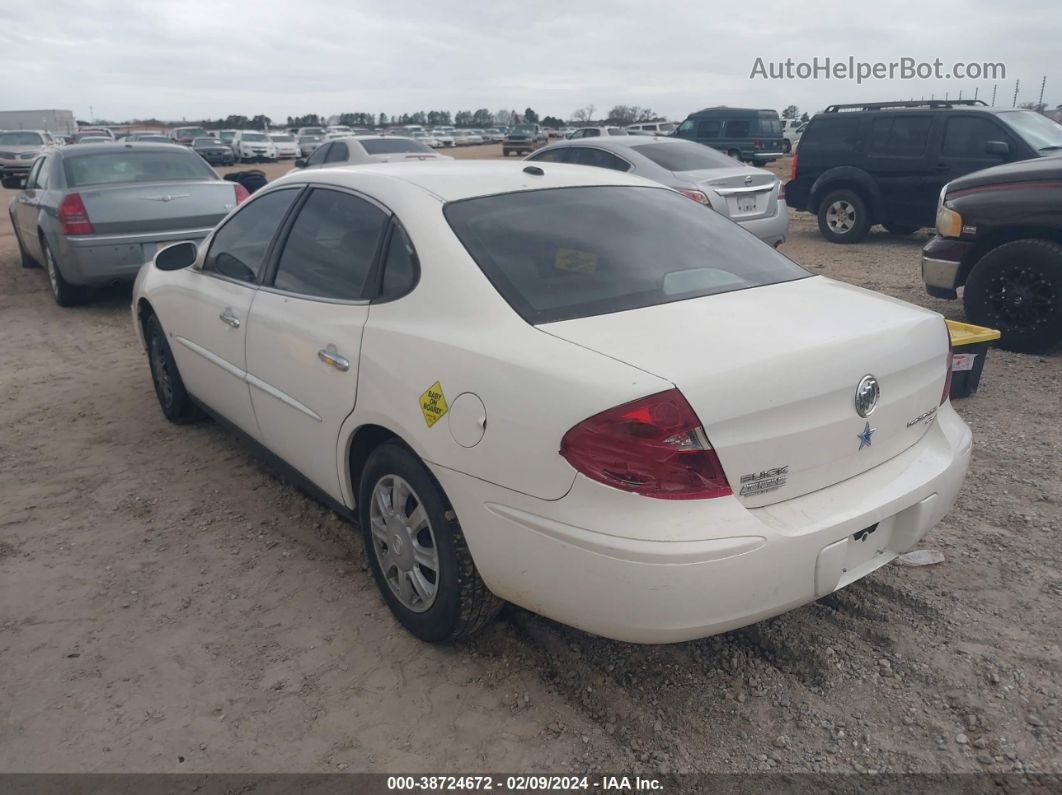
{"x": 969, "y": 348}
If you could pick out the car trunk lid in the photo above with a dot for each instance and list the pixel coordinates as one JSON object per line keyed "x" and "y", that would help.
{"x": 745, "y": 193}
{"x": 143, "y": 207}
{"x": 772, "y": 374}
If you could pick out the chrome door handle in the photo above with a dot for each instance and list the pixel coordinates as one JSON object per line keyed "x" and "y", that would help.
{"x": 229, "y": 317}
{"x": 331, "y": 356}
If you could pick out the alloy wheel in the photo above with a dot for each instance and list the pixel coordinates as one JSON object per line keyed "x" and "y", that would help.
{"x": 404, "y": 543}
{"x": 1020, "y": 298}
{"x": 53, "y": 272}
{"x": 841, "y": 217}
{"x": 160, "y": 369}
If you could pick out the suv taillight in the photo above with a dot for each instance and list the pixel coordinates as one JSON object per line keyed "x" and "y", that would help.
{"x": 654, "y": 446}
{"x": 756, "y": 143}
{"x": 74, "y": 217}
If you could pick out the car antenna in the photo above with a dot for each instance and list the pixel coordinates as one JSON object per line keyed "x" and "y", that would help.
{"x": 538, "y": 172}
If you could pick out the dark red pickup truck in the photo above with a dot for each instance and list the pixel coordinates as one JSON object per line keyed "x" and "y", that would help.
{"x": 999, "y": 235}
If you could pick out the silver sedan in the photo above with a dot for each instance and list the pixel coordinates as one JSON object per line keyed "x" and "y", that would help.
{"x": 92, "y": 214}
{"x": 753, "y": 197}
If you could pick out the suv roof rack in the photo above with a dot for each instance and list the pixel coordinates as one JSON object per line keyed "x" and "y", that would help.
{"x": 915, "y": 103}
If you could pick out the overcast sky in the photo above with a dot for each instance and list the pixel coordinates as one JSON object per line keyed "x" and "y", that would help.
{"x": 192, "y": 59}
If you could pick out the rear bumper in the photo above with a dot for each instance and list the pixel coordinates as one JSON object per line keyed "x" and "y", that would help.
{"x": 774, "y": 229}
{"x": 659, "y": 571}
{"x": 942, "y": 260}
{"x": 103, "y": 259}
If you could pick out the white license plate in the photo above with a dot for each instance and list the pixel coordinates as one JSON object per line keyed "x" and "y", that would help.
{"x": 746, "y": 204}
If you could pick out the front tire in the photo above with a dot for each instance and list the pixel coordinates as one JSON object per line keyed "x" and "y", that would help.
{"x": 174, "y": 401}
{"x": 1017, "y": 288}
{"x": 843, "y": 217}
{"x": 64, "y": 293}
{"x": 417, "y": 551}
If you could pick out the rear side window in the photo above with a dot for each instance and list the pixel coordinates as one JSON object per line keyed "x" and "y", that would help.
{"x": 567, "y": 253}
{"x": 966, "y": 136}
{"x": 900, "y": 136}
{"x": 317, "y": 157}
{"x": 400, "y": 265}
{"x": 331, "y": 247}
{"x": 682, "y": 156}
{"x": 738, "y": 128}
{"x": 133, "y": 165}
{"x": 239, "y": 248}
{"x": 589, "y": 156}
{"x": 831, "y": 134}
{"x": 338, "y": 153}
{"x": 391, "y": 146}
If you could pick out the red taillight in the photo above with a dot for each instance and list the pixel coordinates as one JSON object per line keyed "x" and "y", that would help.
{"x": 696, "y": 195}
{"x": 654, "y": 446}
{"x": 781, "y": 190}
{"x": 792, "y": 172}
{"x": 74, "y": 217}
{"x": 241, "y": 192}
{"x": 756, "y": 143}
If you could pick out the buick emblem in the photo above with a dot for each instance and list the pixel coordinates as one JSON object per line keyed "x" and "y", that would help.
{"x": 748, "y": 179}
{"x": 866, "y": 396}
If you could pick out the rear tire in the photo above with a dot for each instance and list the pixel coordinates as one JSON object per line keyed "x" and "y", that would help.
{"x": 416, "y": 549}
{"x": 787, "y": 146}
{"x": 734, "y": 153}
{"x": 174, "y": 401}
{"x": 1017, "y": 288}
{"x": 64, "y": 293}
{"x": 843, "y": 217}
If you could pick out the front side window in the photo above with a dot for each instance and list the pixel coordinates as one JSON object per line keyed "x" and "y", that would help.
{"x": 709, "y": 129}
{"x": 967, "y": 136}
{"x": 337, "y": 153}
{"x": 239, "y": 248}
{"x": 134, "y": 165}
{"x": 589, "y": 156}
{"x": 566, "y": 253}
{"x": 331, "y": 247}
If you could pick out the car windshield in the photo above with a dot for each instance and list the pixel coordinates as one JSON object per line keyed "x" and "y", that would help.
{"x": 1038, "y": 131}
{"x": 684, "y": 156}
{"x": 162, "y": 139}
{"x": 313, "y": 131}
{"x": 253, "y": 137}
{"x": 191, "y": 132}
{"x": 566, "y": 253}
{"x": 308, "y": 139}
{"x": 134, "y": 165}
{"x": 388, "y": 146}
{"x": 206, "y": 142}
{"x": 20, "y": 139}
{"x": 284, "y": 139}
{"x": 524, "y": 128}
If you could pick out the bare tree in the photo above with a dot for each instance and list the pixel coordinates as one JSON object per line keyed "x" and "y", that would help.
{"x": 584, "y": 114}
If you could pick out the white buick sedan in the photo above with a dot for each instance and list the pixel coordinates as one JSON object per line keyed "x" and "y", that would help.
{"x": 568, "y": 388}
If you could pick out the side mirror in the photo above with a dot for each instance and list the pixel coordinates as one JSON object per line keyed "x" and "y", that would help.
{"x": 14, "y": 182}
{"x": 177, "y": 257}
{"x": 1001, "y": 148}
{"x": 300, "y": 163}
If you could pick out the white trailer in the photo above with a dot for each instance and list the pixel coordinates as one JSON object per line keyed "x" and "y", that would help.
{"x": 58, "y": 122}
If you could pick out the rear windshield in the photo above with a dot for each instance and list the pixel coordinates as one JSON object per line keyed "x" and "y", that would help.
{"x": 390, "y": 146}
{"x": 770, "y": 127}
{"x": 134, "y": 165}
{"x": 20, "y": 139}
{"x": 1038, "y": 131}
{"x": 567, "y": 253}
{"x": 683, "y": 156}
{"x": 252, "y": 137}
{"x": 284, "y": 139}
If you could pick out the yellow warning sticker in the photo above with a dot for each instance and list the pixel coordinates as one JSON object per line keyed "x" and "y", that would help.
{"x": 570, "y": 259}
{"x": 433, "y": 404}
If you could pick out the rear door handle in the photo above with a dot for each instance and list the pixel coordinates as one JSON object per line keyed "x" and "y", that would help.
{"x": 331, "y": 356}
{"x": 228, "y": 316}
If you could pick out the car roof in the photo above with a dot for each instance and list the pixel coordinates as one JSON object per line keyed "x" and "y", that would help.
{"x": 120, "y": 146}
{"x": 622, "y": 141}
{"x": 453, "y": 180}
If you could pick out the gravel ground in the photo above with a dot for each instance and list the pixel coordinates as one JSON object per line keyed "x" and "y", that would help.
{"x": 167, "y": 604}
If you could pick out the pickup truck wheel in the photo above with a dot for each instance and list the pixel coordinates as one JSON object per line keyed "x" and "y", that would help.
{"x": 843, "y": 217}
{"x": 1017, "y": 288}
{"x": 64, "y": 293}
{"x": 176, "y": 405}
{"x": 416, "y": 549}
{"x": 787, "y": 145}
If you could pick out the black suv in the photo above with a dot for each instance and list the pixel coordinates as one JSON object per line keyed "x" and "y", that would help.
{"x": 886, "y": 162}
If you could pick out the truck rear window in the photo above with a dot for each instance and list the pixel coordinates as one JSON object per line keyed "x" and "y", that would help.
{"x": 134, "y": 165}
{"x": 566, "y": 253}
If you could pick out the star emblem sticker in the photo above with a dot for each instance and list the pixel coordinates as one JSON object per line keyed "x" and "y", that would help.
{"x": 864, "y": 437}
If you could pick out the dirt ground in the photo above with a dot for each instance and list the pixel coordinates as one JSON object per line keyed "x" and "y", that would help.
{"x": 167, "y": 604}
